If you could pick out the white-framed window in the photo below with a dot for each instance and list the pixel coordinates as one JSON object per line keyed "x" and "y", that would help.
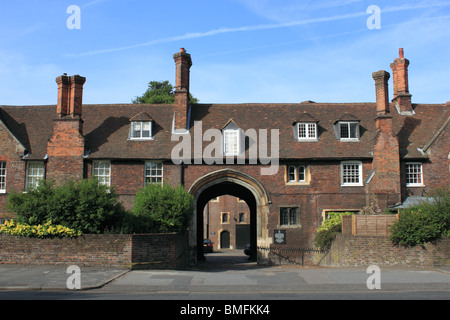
{"x": 414, "y": 174}
{"x": 102, "y": 171}
{"x": 289, "y": 216}
{"x": 141, "y": 130}
{"x": 296, "y": 174}
{"x": 307, "y": 131}
{"x": 351, "y": 173}
{"x": 349, "y": 131}
{"x": 153, "y": 172}
{"x": 35, "y": 173}
{"x": 231, "y": 142}
{"x": 2, "y": 177}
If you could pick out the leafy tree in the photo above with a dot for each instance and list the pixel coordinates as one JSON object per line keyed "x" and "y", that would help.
{"x": 161, "y": 209}
{"x": 160, "y": 92}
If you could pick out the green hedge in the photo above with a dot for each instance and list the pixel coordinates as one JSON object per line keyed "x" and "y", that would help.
{"x": 160, "y": 209}
{"x": 84, "y": 206}
{"x": 423, "y": 223}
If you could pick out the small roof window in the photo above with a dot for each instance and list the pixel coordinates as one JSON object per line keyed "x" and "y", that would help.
{"x": 347, "y": 128}
{"x": 141, "y": 127}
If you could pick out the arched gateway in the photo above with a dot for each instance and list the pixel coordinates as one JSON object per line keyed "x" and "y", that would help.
{"x": 238, "y": 184}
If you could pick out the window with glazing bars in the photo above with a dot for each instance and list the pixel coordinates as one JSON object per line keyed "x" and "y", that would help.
{"x": 102, "y": 171}
{"x": 153, "y": 172}
{"x": 349, "y": 130}
{"x": 414, "y": 174}
{"x": 351, "y": 173}
{"x": 307, "y": 131}
{"x": 35, "y": 173}
{"x": 288, "y": 216}
{"x": 296, "y": 173}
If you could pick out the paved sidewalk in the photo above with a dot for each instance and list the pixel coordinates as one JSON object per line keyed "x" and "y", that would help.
{"x": 51, "y": 277}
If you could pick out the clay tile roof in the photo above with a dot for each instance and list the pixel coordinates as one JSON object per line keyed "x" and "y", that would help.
{"x": 305, "y": 117}
{"x": 106, "y": 128}
{"x": 142, "y": 116}
{"x": 347, "y": 117}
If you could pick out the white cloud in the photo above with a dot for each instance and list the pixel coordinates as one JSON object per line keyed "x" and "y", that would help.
{"x": 335, "y": 71}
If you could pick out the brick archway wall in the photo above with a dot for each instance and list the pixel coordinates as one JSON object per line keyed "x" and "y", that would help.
{"x": 238, "y": 184}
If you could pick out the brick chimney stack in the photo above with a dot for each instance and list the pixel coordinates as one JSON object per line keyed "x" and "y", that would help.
{"x": 62, "y": 107}
{"x": 65, "y": 147}
{"x": 381, "y": 89}
{"x": 70, "y": 95}
{"x": 76, "y": 95}
{"x": 402, "y": 97}
{"x": 183, "y": 63}
{"x": 385, "y": 185}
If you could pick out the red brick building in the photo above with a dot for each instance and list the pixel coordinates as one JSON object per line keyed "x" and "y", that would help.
{"x": 226, "y": 222}
{"x": 329, "y": 156}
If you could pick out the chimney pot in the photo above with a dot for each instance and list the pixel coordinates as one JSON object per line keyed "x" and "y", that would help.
{"x": 401, "y": 53}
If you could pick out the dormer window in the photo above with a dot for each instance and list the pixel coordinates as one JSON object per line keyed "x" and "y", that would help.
{"x": 231, "y": 142}
{"x": 347, "y": 128}
{"x": 141, "y": 127}
{"x": 305, "y": 128}
{"x": 232, "y": 139}
{"x": 141, "y": 130}
{"x": 307, "y": 131}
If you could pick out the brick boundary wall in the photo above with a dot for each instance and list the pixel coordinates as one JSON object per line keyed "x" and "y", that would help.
{"x": 354, "y": 251}
{"x": 168, "y": 250}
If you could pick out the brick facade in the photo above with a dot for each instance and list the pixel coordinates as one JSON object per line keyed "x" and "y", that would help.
{"x": 237, "y": 215}
{"x": 353, "y": 158}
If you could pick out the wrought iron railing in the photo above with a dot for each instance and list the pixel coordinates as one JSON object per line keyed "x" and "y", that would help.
{"x": 282, "y": 252}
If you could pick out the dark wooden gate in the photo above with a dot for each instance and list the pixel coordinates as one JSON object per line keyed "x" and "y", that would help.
{"x": 242, "y": 235}
{"x": 224, "y": 240}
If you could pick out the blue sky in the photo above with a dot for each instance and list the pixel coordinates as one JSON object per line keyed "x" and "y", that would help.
{"x": 243, "y": 51}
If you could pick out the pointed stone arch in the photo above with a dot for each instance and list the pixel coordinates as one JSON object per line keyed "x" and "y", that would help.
{"x": 238, "y": 184}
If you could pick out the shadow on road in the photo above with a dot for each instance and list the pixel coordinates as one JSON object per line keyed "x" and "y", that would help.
{"x": 227, "y": 259}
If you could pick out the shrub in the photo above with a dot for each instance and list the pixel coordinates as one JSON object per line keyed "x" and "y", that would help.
{"x": 423, "y": 223}
{"x": 46, "y": 230}
{"x": 162, "y": 209}
{"x": 331, "y": 227}
{"x": 85, "y": 206}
